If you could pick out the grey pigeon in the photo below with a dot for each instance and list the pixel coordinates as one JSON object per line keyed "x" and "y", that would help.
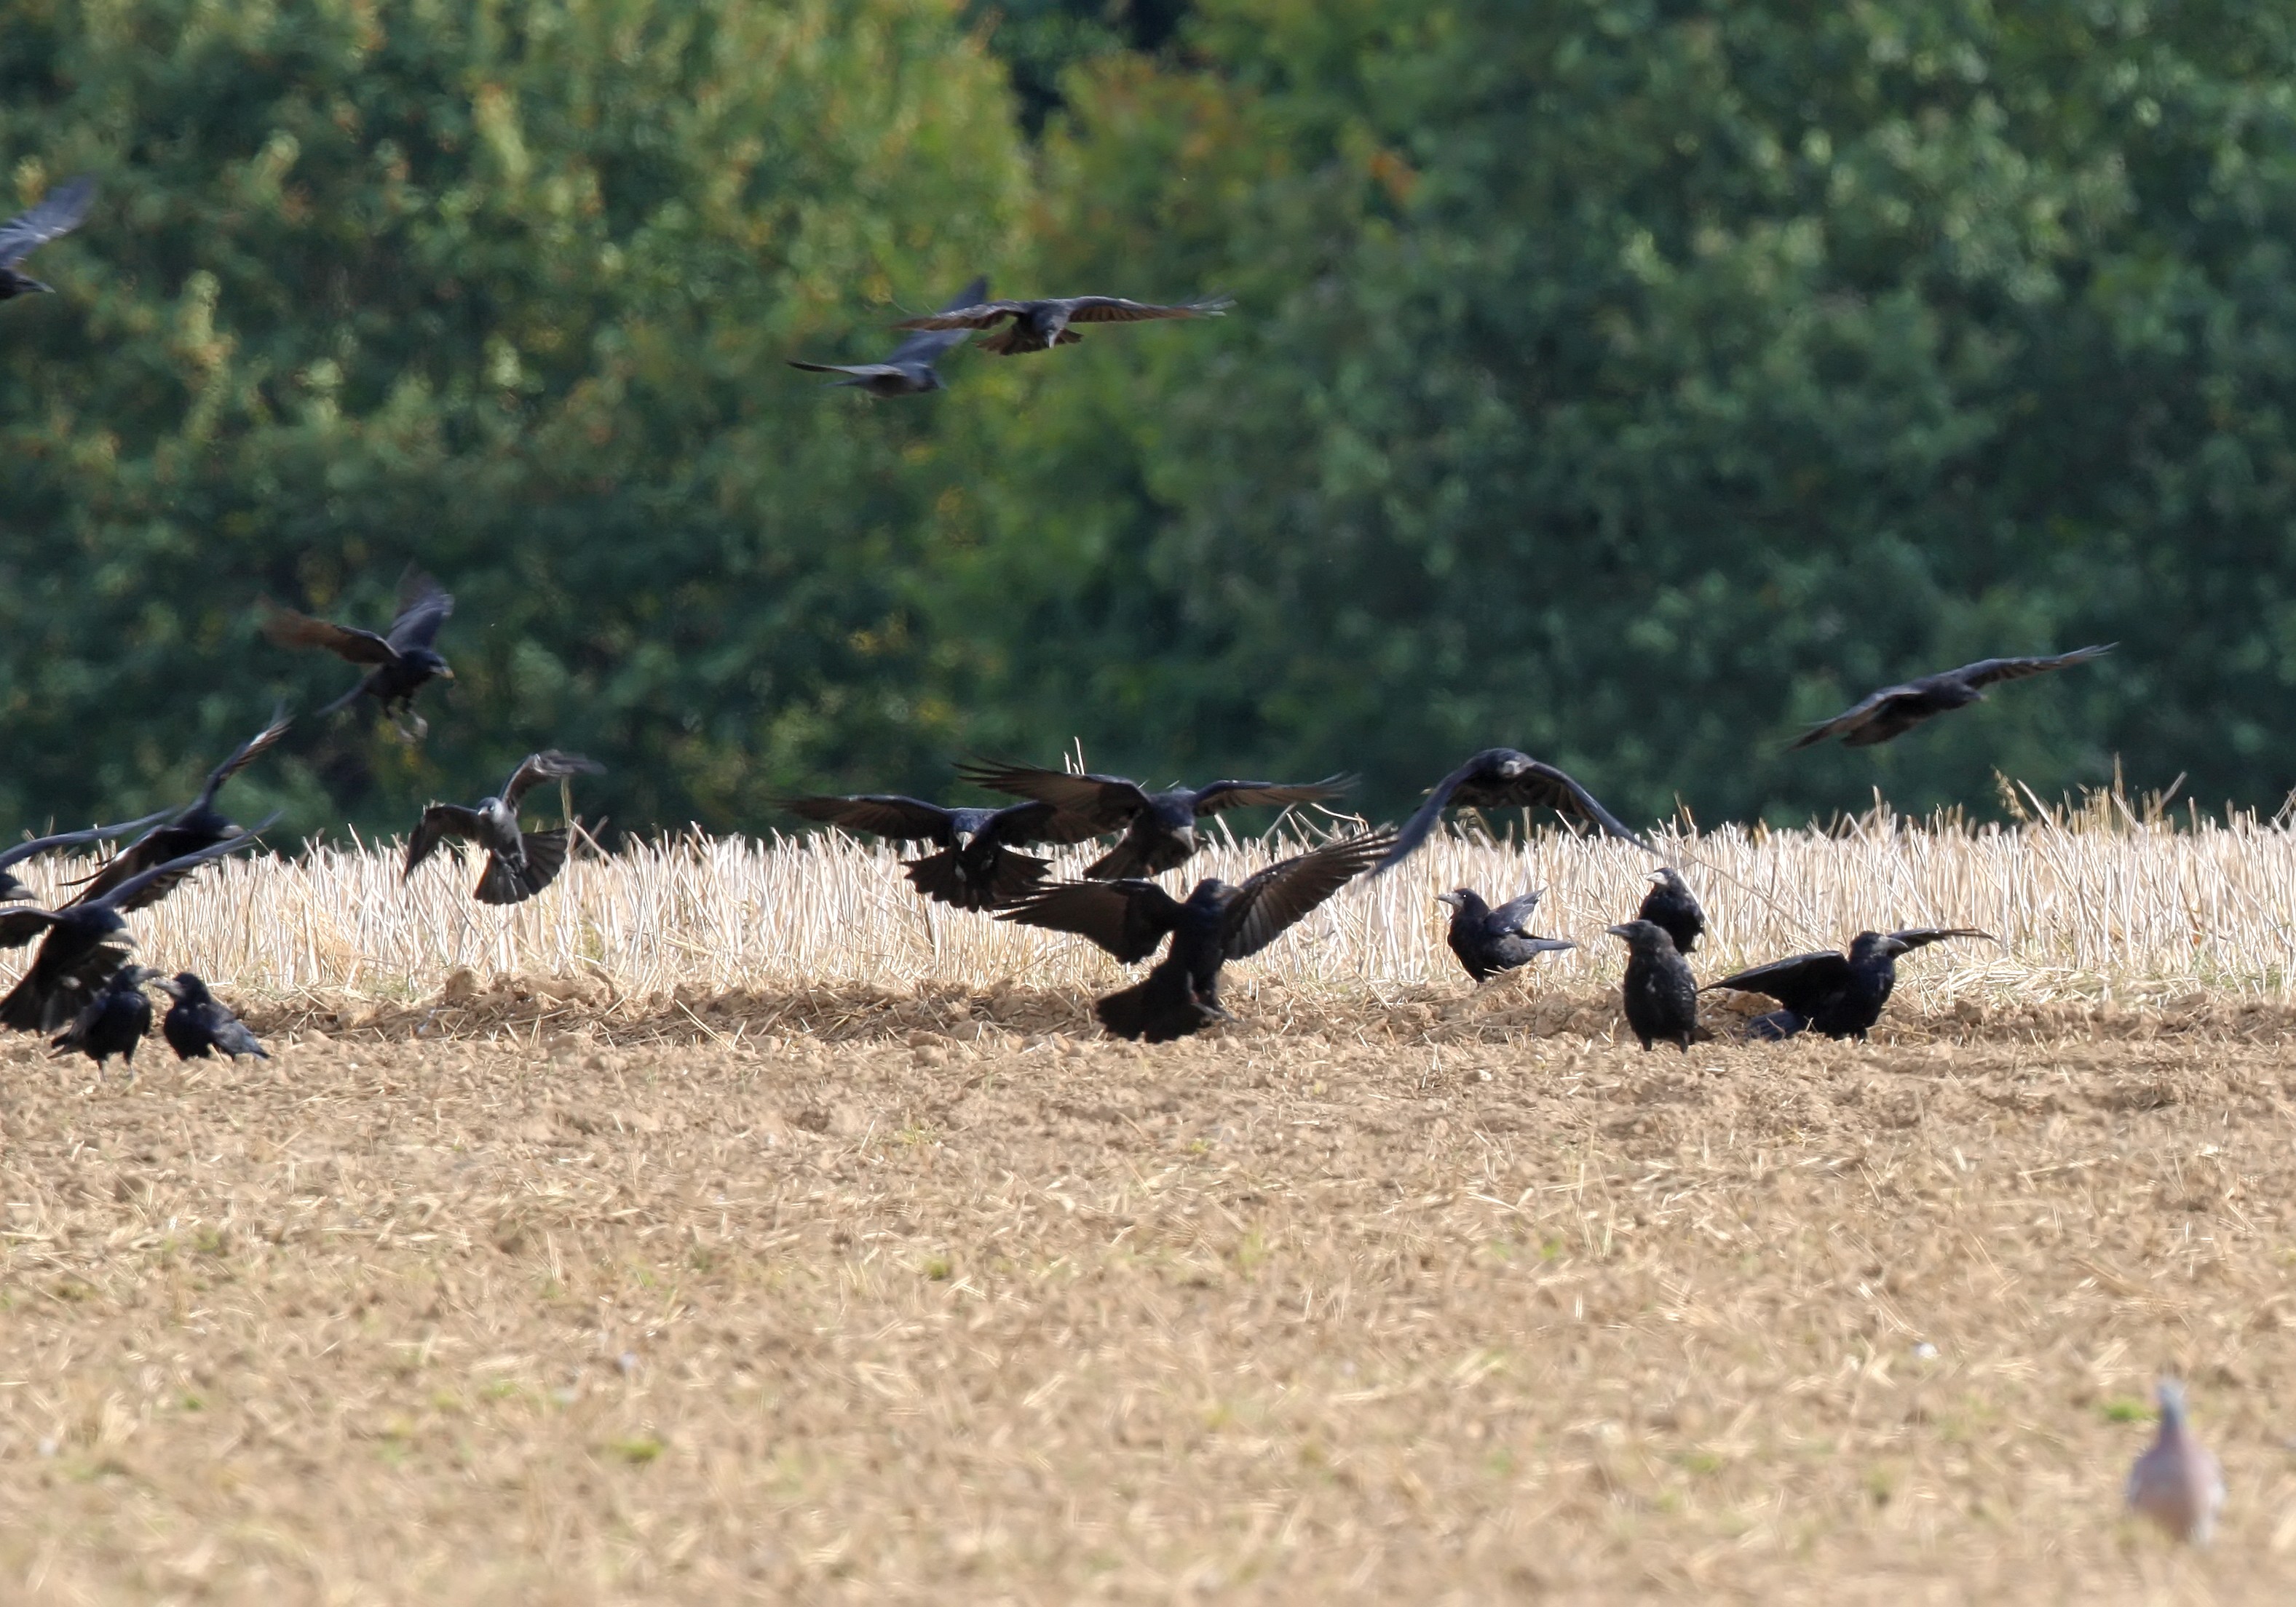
{"x": 2176, "y": 1483}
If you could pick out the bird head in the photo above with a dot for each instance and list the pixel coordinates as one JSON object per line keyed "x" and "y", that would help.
{"x": 1211, "y": 890}
{"x": 1641, "y": 935}
{"x": 1667, "y": 877}
{"x": 129, "y": 977}
{"x": 1512, "y": 764}
{"x": 2170, "y": 1394}
{"x": 1877, "y": 946}
{"x": 187, "y": 987}
{"x": 34, "y": 287}
{"x": 1457, "y": 900}
{"x": 431, "y": 660}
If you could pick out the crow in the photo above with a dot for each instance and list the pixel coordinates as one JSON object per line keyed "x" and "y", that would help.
{"x": 977, "y": 864}
{"x": 1215, "y": 923}
{"x": 59, "y": 213}
{"x": 519, "y": 864}
{"x": 1159, "y": 828}
{"x": 198, "y": 1024}
{"x": 910, "y": 371}
{"x": 193, "y": 828}
{"x": 1489, "y": 941}
{"x": 404, "y": 661}
{"x": 1041, "y": 325}
{"x": 1662, "y": 996}
{"x": 12, "y": 890}
{"x": 1500, "y": 778}
{"x": 1895, "y": 710}
{"x": 114, "y": 1021}
{"x": 82, "y": 945}
{"x": 1840, "y": 995}
{"x": 1671, "y": 903}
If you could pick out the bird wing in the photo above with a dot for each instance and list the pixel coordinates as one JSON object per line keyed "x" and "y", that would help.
{"x": 441, "y": 822}
{"x": 549, "y": 764}
{"x": 1036, "y": 821}
{"x": 245, "y": 754}
{"x": 928, "y": 344}
{"x": 881, "y": 814}
{"x": 1801, "y": 983}
{"x": 59, "y": 212}
{"x": 1269, "y": 902}
{"x": 1250, "y": 794}
{"x": 980, "y": 314}
{"x": 1985, "y": 672}
{"x": 287, "y": 628}
{"x": 1109, "y": 801}
{"x": 1127, "y": 918}
{"x": 71, "y": 839}
{"x": 1116, "y": 310}
{"x": 863, "y": 371}
{"x": 1475, "y": 784}
{"x": 424, "y": 605}
{"x": 147, "y": 888}
{"x": 19, "y": 927}
{"x": 1510, "y": 915}
{"x": 1922, "y": 937}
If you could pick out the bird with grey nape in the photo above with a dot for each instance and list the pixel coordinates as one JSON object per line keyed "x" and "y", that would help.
{"x": 114, "y": 1021}
{"x": 910, "y": 369}
{"x": 1501, "y": 778}
{"x": 1671, "y": 905}
{"x": 1841, "y": 995}
{"x": 1489, "y": 941}
{"x": 1042, "y": 324}
{"x": 1894, "y": 711}
{"x": 402, "y": 661}
{"x": 1660, "y": 993}
{"x": 198, "y": 1025}
{"x": 2176, "y": 1483}
{"x": 520, "y": 863}
{"x": 60, "y": 212}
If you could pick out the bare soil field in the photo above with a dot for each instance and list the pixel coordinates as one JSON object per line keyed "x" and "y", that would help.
{"x": 864, "y": 1297}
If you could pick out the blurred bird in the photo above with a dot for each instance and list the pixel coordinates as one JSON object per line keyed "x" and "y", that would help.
{"x": 1488, "y": 940}
{"x": 2176, "y": 1483}
{"x": 10, "y": 889}
{"x": 199, "y": 1024}
{"x": 977, "y": 864}
{"x": 1841, "y": 995}
{"x": 404, "y": 661}
{"x": 1775, "y": 1027}
{"x": 1671, "y": 903}
{"x": 1895, "y": 710}
{"x": 519, "y": 864}
{"x": 1040, "y": 325}
{"x": 1660, "y": 995}
{"x": 1500, "y": 778}
{"x": 1159, "y": 828}
{"x": 195, "y": 826}
{"x": 1215, "y": 923}
{"x": 910, "y": 371}
{"x": 60, "y": 212}
{"x": 114, "y": 1021}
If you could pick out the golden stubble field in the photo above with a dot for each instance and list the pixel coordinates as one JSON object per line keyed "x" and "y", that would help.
{"x": 855, "y": 1297}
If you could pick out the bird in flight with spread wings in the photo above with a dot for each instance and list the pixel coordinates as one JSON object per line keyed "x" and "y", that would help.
{"x": 11, "y": 889}
{"x": 59, "y": 213}
{"x": 1840, "y": 995}
{"x": 404, "y": 661}
{"x": 1500, "y": 778}
{"x": 1894, "y": 711}
{"x": 1041, "y": 325}
{"x": 1159, "y": 828}
{"x": 191, "y": 828}
{"x": 977, "y": 863}
{"x": 911, "y": 370}
{"x": 519, "y": 864}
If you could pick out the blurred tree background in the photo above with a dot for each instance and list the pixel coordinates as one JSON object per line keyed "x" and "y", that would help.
{"x": 1627, "y": 382}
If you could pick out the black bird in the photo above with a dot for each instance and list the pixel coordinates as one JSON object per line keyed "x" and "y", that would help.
{"x": 1215, "y": 923}
{"x": 1662, "y": 996}
{"x": 10, "y": 889}
{"x": 59, "y": 213}
{"x": 1671, "y": 903}
{"x": 1041, "y": 325}
{"x": 519, "y": 864}
{"x": 1775, "y": 1027}
{"x": 199, "y": 1024}
{"x": 1840, "y": 995}
{"x": 910, "y": 371}
{"x": 82, "y": 945}
{"x": 114, "y": 1021}
{"x": 193, "y": 828}
{"x": 1488, "y": 940}
{"x": 1500, "y": 778}
{"x": 404, "y": 661}
{"x": 1159, "y": 828}
{"x": 978, "y": 864}
{"x": 1895, "y": 710}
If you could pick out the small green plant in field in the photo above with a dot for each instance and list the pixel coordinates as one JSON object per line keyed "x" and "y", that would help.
{"x": 637, "y": 1450}
{"x": 2124, "y": 1408}
{"x": 940, "y": 1268}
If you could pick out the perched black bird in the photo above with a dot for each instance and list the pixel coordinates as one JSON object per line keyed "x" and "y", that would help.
{"x": 114, "y": 1021}
{"x": 519, "y": 864}
{"x": 978, "y": 864}
{"x": 59, "y": 213}
{"x": 1216, "y": 923}
{"x": 82, "y": 945}
{"x": 1500, "y": 778}
{"x": 1041, "y": 325}
{"x": 910, "y": 371}
{"x": 404, "y": 661}
{"x": 1669, "y": 904}
{"x": 193, "y": 828}
{"x": 12, "y": 890}
{"x": 1662, "y": 996}
{"x": 1488, "y": 940}
{"x": 1840, "y": 995}
{"x": 1159, "y": 828}
{"x": 1895, "y": 710}
{"x": 199, "y": 1024}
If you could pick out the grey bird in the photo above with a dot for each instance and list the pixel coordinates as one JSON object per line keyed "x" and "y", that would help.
{"x": 114, "y": 1021}
{"x": 1500, "y": 778}
{"x": 1671, "y": 904}
{"x": 910, "y": 369}
{"x": 1894, "y": 711}
{"x": 1488, "y": 940}
{"x": 1041, "y": 325}
{"x": 11, "y": 889}
{"x": 60, "y": 212}
{"x": 193, "y": 827}
{"x": 1841, "y": 995}
{"x": 519, "y": 864}
{"x": 2176, "y": 1483}
{"x": 1159, "y": 828}
{"x": 198, "y": 1025}
{"x": 402, "y": 663}
{"x": 1660, "y": 993}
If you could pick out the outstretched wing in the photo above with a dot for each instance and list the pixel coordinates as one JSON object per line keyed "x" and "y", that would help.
{"x": 1801, "y": 983}
{"x": 245, "y": 754}
{"x": 1922, "y": 937}
{"x": 549, "y": 764}
{"x": 287, "y": 628}
{"x": 927, "y": 346}
{"x": 1108, "y": 802}
{"x": 60, "y": 212}
{"x": 448, "y": 824}
{"x": 19, "y": 927}
{"x": 1482, "y": 782}
{"x": 980, "y": 314}
{"x": 1985, "y": 672}
{"x": 1116, "y": 310}
{"x": 424, "y": 605}
{"x": 1127, "y": 918}
{"x": 22, "y": 851}
{"x": 881, "y": 814}
{"x": 1511, "y": 915}
{"x": 1251, "y": 794}
{"x": 1268, "y": 903}
{"x": 147, "y": 888}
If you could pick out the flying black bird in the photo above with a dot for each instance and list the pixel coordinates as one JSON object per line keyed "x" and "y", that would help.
{"x": 1895, "y": 710}
{"x": 977, "y": 864}
{"x": 114, "y": 1021}
{"x": 196, "y": 825}
{"x": 1489, "y": 941}
{"x": 59, "y": 213}
{"x": 10, "y": 889}
{"x": 1159, "y": 828}
{"x": 1500, "y": 778}
{"x": 404, "y": 661}
{"x": 1215, "y": 923}
{"x": 82, "y": 945}
{"x": 1040, "y": 325}
{"x": 1840, "y": 995}
{"x": 199, "y": 1024}
{"x": 910, "y": 371}
{"x": 519, "y": 864}
{"x": 1671, "y": 903}
{"x": 1662, "y": 996}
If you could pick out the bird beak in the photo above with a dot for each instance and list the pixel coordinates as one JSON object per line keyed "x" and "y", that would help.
{"x": 1617, "y": 931}
{"x": 447, "y": 674}
{"x": 34, "y": 284}
{"x": 1450, "y": 899}
{"x": 964, "y": 839}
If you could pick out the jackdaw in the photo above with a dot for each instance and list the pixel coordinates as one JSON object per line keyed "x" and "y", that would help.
{"x": 519, "y": 864}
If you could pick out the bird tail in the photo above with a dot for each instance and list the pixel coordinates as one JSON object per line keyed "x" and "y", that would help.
{"x": 506, "y": 883}
{"x": 1161, "y": 1007}
{"x": 1012, "y": 878}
